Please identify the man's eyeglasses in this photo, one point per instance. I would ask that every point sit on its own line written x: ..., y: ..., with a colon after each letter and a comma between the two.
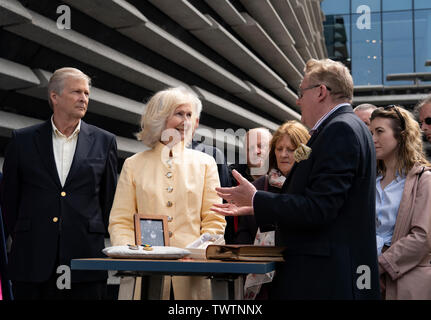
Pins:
x: 402, y: 120
x: 301, y: 91
x: 426, y: 120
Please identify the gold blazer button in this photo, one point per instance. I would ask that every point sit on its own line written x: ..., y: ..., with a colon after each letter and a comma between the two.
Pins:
x: 169, y: 175
x: 63, y: 194
x: 169, y: 204
x: 55, y: 219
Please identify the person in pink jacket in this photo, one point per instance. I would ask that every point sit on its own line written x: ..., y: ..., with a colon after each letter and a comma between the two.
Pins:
x: 403, y: 205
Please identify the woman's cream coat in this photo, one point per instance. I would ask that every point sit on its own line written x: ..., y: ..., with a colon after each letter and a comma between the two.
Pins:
x: 182, y: 188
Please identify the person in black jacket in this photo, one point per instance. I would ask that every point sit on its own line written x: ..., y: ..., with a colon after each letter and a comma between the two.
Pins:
x: 5, y: 287
x: 325, y: 216
x: 256, y: 149
x: 59, y: 180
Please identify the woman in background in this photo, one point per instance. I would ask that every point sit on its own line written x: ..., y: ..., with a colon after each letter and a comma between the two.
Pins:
x: 403, y: 205
x: 169, y: 179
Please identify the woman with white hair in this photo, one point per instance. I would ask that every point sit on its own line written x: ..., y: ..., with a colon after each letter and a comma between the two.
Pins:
x: 169, y: 179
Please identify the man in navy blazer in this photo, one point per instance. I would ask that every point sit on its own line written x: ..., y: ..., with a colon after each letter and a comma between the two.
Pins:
x: 326, y: 215
x: 58, y: 186
x: 5, y: 283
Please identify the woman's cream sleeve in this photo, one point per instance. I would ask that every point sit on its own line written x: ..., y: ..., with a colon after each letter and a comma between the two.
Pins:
x: 121, y: 223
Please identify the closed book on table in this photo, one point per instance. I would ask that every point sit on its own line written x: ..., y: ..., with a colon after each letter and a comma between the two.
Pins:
x: 245, y: 253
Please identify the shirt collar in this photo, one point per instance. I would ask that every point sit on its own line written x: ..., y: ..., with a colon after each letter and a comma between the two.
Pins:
x: 319, y: 122
x: 58, y: 132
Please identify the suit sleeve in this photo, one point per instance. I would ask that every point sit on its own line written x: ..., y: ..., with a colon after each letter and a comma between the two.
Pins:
x: 109, y: 182
x: 407, y: 252
x: 335, y: 156
x: 10, y: 187
x: 211, y: 222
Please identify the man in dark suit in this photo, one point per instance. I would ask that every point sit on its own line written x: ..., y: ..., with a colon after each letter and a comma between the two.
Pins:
x: 59, y: 181
x: 326, y: 215
x: 6, y: 289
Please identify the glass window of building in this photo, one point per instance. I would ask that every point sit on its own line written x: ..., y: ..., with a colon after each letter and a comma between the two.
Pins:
x: 337, y: 37
x: 397, y: 45
x: 396, y: 5
x: 330, y: 7
x: 358, y: 6
x: 382, y: 37
x: 422, y: 40
x: 366, y: 50
x: 422, y: 4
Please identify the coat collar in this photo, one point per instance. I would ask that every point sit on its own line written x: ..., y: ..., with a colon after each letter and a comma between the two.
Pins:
x: 83, y: 147
x: 343, y: 109
x: 43, y: 139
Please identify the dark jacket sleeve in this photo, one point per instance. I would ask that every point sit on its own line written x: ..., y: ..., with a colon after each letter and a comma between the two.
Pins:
x: 10, y: 189
x: 335, y: 157
x: 109, y: 182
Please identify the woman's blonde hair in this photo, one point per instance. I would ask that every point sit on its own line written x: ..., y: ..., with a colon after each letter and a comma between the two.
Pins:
x: 410, y: 146
x: 160, y: 107
x: 297, y: 133
x: 333, y: 75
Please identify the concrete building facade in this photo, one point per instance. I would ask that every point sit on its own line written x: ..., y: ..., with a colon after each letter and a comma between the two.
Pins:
x: 244, y: 59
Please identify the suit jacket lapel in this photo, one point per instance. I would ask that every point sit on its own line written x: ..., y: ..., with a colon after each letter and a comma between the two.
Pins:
x: 43, y: 140
x: 83, y: 147
x: 313, y: 138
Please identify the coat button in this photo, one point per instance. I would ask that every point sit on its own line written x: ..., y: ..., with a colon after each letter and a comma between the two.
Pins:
x: 55, y: 219
x: 170, y: 234
x: 169, y: 175
x: 170, y: 218
x: 169, y: 204
x: 169, y: 189
x: 63, y: 194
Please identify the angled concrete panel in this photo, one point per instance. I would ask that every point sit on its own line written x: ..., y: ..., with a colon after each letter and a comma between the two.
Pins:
x: 305, y: 53
x: 294, y: 56
x: 101, y: 102
x: 16, y: 76
x: 230, y: 112
x: 229, y: 47
x: 227, y: 11
x: 113, y: 13
x: 69, y: 42
x: 383, y: 100
x: 214, y: 138
x: 300, y: 11
x: 288, y: 16
x: 158, y: 40
x: 128, y: 147
x: 264, y: 13
x: 269, y: 104
x: 13, y: 12
x: 183, y: 12
x: 11, y: 121
x: 287, y: 95
x: 253, y: 33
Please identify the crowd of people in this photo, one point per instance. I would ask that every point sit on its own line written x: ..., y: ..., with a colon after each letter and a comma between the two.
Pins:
x: 347, y: 191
